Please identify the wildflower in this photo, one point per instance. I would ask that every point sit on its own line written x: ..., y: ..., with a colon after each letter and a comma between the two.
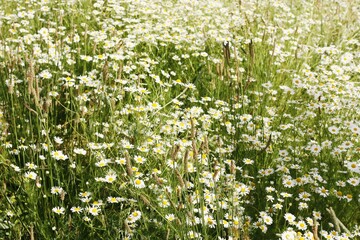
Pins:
x: 121, y: 161
x: 333, y: 130
x: 310, y: 221
x: 31, y: 166
x: 154, y: 106
x: 127, y: 145
x: 270, y: 198
x: 209, y: 220
x: 164, y: 203
x: 102, y: 163
x: 263, y: 228
x: 267, y: 220
x: 225, y: 223
x: 30, y: 175
x: 138, y: 183
x: 353, y: 166
x: 57, y: 190
x: 193, y: 235
x: 172, y: 164
x: 139, y: 159
x: 59, y: 155
x: 289, y: 235
x: 7, y: 145
x: 347, y: 144
x: 245, y: 118
x: 301, y: 225
x: 283, y: 153
x: 93, y: 210
x: 59, y: 210
x: 236, y: 222
x: 309, y: 235
x: 326, y: 144
x: 242, y: 189
x: 353, y: 181
x: 134, y: 216
x: 337, y: 70
x: 317, y: 215
x: 58, y: 140
x: 248, y: 161
x: 355, y: 128
x: 45, y: 74
x: 85, y: 194
x: 322, y: 191
x: 303, y: 205
x: 170, y: 217
x: 277, y: 206
x: 270, y: 189
x: 304, y: 196
x: 315, y: 149
x: 86, y: 58
x: 223, y: 204
x: 113, y: 199
x: 348, y: 197
x: 80, y: 151
x: 346, y: 58
x: 97, y: 203
x: 290, y: 218
x: 76, y: 209
x: 286, y: 195
x: 289, y: 183
x: 110, y: 177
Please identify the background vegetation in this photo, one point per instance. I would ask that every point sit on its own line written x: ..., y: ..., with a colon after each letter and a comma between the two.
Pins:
x: 126, y: 119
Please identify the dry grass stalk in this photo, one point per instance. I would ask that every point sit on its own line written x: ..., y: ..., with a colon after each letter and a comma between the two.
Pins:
x: 128, y: 165
x: 180, y: 179
x: 315, y: 229
x: 145, y: 200
x: 195, y: 151
x: 338, y: 224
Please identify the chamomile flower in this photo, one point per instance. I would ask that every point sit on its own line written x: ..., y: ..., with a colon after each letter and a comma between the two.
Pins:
x: 31, y: 166
x: 59, y: 155
x: 248, y: 161
x: 30, y: 175
x: 113, y: 199
x: 301, y: 225
x: 57, y: 190
x: 59, y: 210
x: 289, y: 235
x: 164, y: 203
x: 170, y: 217
x: 290, y: 218
x: 58, y: 140
x: 209, y: 221
x: 138, y: 183
x: 110, y: 177
x: 333, y: 130
x: 80, y: 151
x: 93, y: 210
x: 139, y: 159
x: 134, y: 216
x: 315, y: 149
x: 193, y: 235
x: 267, y: 220
x: 76, y: 209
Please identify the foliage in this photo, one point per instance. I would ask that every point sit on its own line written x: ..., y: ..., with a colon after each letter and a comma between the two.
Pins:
x: 126, y: 119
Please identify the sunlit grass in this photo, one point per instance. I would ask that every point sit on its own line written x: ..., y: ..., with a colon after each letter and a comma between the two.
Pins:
x: 179, y: 119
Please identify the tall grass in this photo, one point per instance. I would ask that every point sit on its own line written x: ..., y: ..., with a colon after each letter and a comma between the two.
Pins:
x: 179, y: 119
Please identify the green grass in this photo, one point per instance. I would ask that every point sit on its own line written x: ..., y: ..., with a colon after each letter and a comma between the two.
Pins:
x: 179, y: 119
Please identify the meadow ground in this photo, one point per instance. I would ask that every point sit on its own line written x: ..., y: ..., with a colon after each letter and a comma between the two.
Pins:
x: 180, y: 119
